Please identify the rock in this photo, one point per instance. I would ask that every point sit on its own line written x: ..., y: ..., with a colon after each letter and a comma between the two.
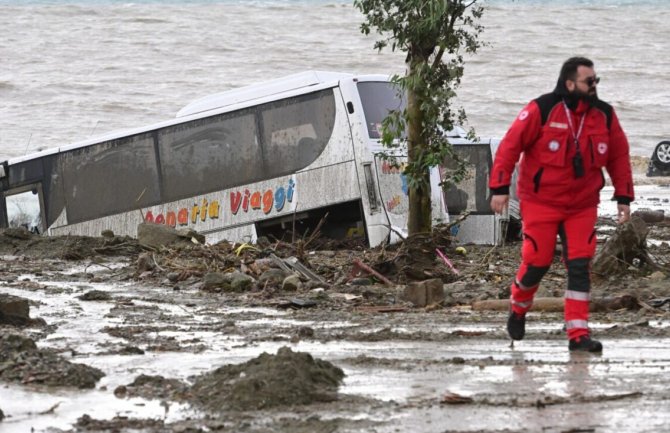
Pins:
x: 155, y: 387
x: 155, y: 236
x: 305, y: 332
x: 360, y: 281
x: 145, y: 263
x: 312, y: 285
x: 11, y: 344
x: 214, y: 281
x: 263, y: 264
x: 192, y: 236
x: 657, y: 276
x: 120, y: 391
x: 296, y: 303
x: 239, y: 282
x: 455, y: 287
x: 231, y: 282
x: 273, y: 277
x: 291, y: 283
x: 131, y: 350
x: 95, y: 295
x: 424, y: 293
x: 14, y: 310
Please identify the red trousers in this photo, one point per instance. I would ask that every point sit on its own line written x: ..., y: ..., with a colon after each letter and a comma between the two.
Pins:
x: 576, y: 229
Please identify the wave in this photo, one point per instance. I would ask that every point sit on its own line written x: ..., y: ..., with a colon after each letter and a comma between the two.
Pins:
x: 6, y: 85
x: 143, y: 20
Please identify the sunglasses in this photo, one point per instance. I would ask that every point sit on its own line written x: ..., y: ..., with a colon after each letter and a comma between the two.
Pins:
x: 591, y: 81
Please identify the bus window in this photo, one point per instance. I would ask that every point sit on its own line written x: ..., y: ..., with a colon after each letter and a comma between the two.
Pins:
x: 209, y: 154
x: 110, y: 177
x: 296, y: 131
x: 378, y: 99
x: 23, y: 210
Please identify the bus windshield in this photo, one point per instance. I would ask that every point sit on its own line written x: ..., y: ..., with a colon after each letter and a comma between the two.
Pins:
x: 379, y: 99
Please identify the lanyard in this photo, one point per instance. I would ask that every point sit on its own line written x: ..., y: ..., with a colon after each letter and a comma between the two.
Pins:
x: 572, y: 128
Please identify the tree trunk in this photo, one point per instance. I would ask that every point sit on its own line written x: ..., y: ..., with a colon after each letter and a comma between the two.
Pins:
x: 419, y: 219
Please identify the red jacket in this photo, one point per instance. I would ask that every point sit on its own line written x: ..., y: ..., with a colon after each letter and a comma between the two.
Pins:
x: 542, y: 136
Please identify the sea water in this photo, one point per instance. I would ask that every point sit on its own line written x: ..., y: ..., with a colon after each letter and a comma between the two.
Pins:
x: 73, y: 69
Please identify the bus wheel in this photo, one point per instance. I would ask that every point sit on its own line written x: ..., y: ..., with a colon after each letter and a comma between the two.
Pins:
x: 661, y: 155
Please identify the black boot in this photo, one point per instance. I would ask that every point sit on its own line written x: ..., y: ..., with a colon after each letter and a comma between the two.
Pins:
x: 585, y: 344
x: 516, y: 325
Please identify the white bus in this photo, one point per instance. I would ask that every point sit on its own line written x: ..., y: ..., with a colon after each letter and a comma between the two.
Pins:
x: 257, y: 161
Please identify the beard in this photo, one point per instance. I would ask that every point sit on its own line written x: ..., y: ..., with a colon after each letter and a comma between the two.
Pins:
x: 577, y: 95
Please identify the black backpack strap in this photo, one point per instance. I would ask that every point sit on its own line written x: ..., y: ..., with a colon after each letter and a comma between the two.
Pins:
x: 605, y: 108
x: 548, y: 101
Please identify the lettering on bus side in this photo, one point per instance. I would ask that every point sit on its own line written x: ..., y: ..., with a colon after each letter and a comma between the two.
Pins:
x: 393, y: 183
x: 245, y: 200
x: 264, y: 201
x: 390, y: 168
x: 393, y: 203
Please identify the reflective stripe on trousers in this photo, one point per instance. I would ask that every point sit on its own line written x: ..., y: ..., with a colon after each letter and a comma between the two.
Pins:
x: 578, y: 296
x: 576, y: 324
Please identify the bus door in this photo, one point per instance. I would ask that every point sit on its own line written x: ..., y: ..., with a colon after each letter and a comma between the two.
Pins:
x: 367, y: 100
x: 393, y: 194
x: 377, y: 98
x: 24, y: 208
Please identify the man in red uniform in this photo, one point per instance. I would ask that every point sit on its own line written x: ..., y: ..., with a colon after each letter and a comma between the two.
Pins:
x: 564, y: 138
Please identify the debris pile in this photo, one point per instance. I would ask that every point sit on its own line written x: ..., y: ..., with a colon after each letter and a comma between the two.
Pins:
x: 285, y: 379
x: 20, y: 241
x: 154, y: 387
x: 21, y: 361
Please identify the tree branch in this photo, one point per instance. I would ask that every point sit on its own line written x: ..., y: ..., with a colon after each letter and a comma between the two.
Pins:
x: 438, y: 58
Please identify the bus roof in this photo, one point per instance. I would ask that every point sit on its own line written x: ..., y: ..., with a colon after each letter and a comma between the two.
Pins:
x: 261, y: 90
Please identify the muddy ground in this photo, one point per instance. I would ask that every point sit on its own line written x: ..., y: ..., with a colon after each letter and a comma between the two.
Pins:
x: 321, y: 297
